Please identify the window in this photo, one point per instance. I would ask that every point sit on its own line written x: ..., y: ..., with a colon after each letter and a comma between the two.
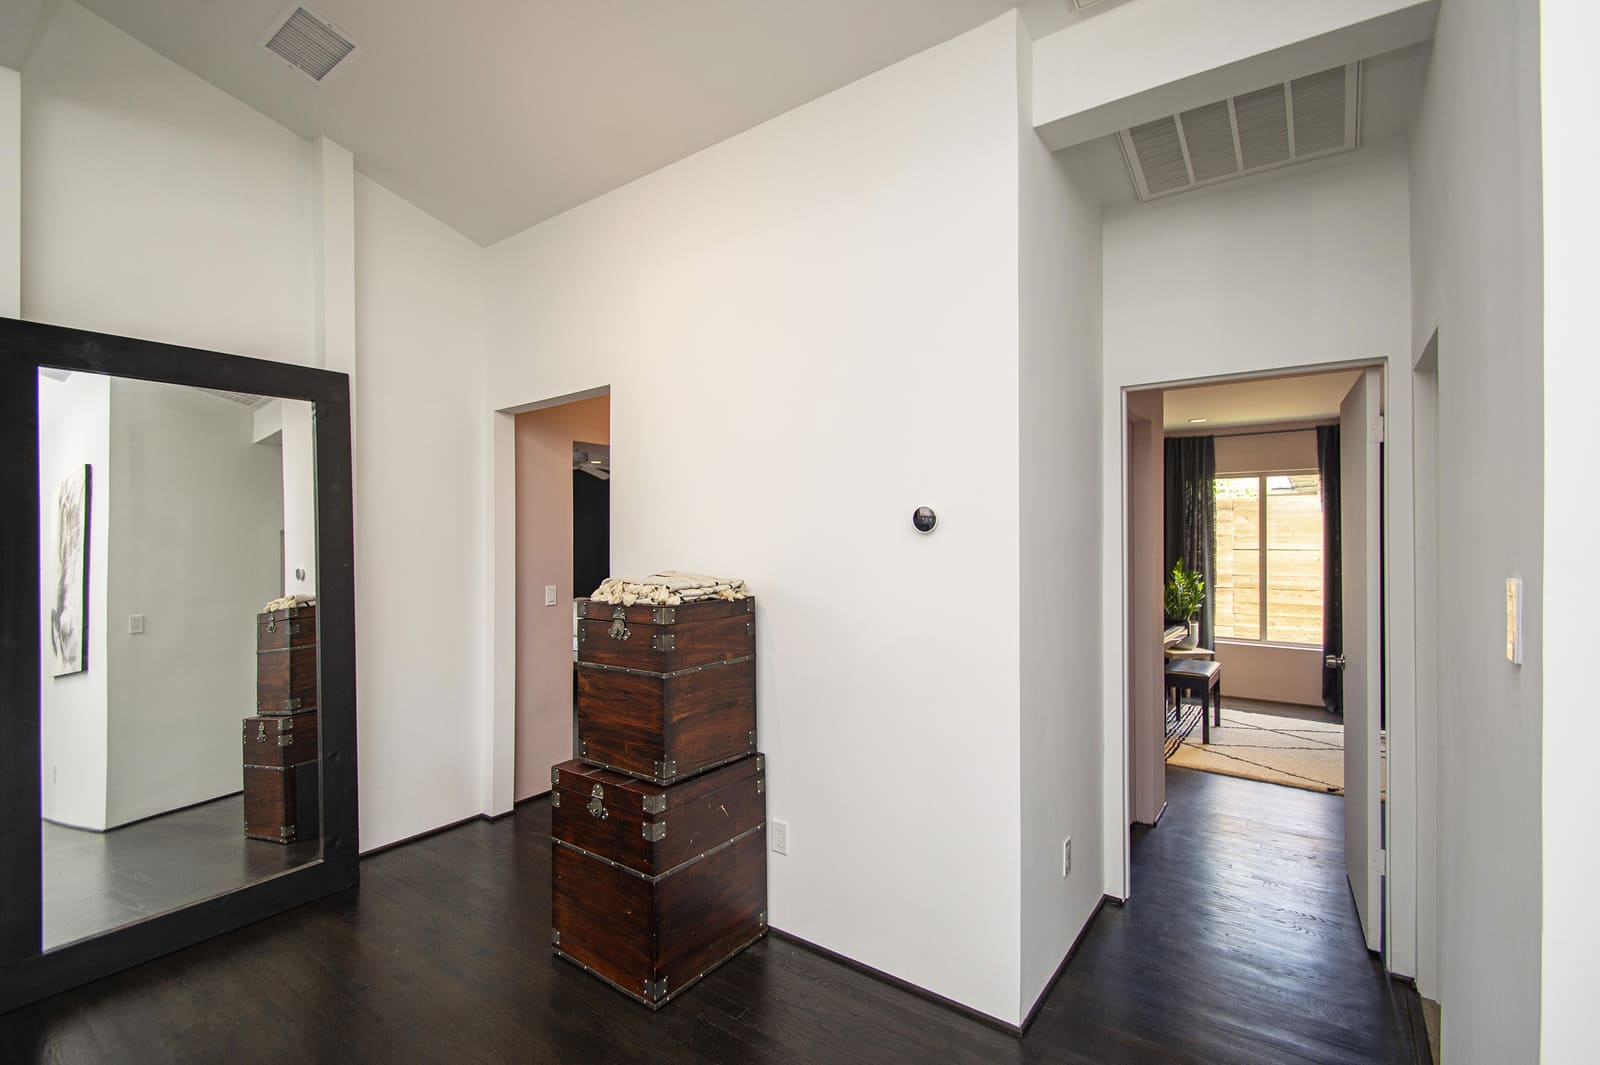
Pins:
x: 1269, y: 537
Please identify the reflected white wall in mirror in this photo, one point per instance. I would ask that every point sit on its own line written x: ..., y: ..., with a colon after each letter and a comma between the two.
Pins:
x: 200, y: 507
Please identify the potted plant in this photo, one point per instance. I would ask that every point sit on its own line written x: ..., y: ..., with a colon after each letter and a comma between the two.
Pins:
x: 1186, y: 593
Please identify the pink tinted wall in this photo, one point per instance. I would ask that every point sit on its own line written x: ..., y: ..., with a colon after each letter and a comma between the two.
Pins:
x: 544, y: 556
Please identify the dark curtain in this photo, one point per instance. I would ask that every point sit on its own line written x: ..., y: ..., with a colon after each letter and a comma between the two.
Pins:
x: 1332, y: 572
x: 1191, y: 516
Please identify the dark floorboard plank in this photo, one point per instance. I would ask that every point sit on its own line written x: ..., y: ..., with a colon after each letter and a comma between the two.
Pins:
x: 1240, y: 946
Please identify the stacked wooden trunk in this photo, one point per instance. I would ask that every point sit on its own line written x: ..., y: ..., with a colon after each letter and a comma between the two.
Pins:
x: 659, y: 826
x: 280, y: 742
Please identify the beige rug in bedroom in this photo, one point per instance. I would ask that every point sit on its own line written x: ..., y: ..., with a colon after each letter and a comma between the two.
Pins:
x: 1300, y: 748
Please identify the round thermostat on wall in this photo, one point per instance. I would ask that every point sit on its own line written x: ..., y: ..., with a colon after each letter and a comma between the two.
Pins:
x: 923, y: 519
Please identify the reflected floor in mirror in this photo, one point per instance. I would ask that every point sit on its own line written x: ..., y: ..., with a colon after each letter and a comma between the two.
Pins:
x: 96, y: 881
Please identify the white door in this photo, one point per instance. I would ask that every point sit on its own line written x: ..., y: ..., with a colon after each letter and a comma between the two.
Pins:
x: 1361, y: 533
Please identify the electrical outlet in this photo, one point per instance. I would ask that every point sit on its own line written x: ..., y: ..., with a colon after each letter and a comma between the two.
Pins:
x: 1066, y: 856
x: 549, y: 595
x: 780, y: 837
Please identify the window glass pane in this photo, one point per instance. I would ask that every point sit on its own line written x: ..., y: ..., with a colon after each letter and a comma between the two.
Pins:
x: 1294, y: 559
x: 1236, y: 595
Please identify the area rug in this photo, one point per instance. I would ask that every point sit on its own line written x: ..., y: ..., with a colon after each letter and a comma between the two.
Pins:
x: 1299, y: 748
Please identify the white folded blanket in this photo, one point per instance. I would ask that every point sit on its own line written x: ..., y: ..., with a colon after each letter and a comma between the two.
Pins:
x: 669, y: 588
x: 289, y: 602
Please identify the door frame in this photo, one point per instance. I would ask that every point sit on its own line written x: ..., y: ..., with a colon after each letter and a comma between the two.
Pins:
x: 500, y: 604
x: 1400, y: 812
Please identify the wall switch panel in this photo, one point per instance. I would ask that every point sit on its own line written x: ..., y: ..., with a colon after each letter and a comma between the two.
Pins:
x: 135, y: 624
x: 1066, y: 856
x: 549, y: 595
x: 1514, y: 621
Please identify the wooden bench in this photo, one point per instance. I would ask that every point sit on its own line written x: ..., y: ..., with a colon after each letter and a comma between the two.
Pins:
x: 1203, y: 679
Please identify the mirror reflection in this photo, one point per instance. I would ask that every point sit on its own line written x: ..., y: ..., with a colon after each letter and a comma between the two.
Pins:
x: 177, y: 592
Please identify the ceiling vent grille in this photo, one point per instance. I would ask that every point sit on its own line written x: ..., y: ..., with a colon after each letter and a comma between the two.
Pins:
x: 309, y: 43
x: 1280, y: 124
x: 244, y: 398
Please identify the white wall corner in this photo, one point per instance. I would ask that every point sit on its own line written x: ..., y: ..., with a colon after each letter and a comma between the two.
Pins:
x: 335, y: 255
x: 1570, y: 931
x: 10, y: 193
x: 500, y: 608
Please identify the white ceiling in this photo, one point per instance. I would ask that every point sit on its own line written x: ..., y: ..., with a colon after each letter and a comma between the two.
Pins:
x: 1267, y: 401
x: 1391, y: 85
x: 495, y: 114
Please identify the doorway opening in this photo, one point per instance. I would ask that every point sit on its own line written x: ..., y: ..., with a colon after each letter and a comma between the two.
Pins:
x: 1255, y: 614
x: 563, y: 551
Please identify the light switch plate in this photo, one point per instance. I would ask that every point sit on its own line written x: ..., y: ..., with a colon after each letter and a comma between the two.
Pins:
x: 135, y: 624
x: 549, y: 595
x: 1514, y: 621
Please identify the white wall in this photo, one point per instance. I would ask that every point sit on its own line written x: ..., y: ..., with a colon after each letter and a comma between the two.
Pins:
x: 196, y: 511
x: 421, y: 445
x: 74, y: 430
x: 810, y: 330
x: 297, y: 456
x: 157, y: 206
x: 10, y: 193
x: 1304, y: 267
x: 1058, y: 458
x: 1476, y: 222
x: 1571, y: 938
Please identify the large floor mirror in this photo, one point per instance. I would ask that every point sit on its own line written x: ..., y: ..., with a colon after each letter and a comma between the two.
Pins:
x: 177, y: 737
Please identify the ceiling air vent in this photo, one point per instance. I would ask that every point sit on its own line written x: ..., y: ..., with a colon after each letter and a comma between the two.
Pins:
x: 308, y: 42
x: 244, y: 398
x: 1273, y: 126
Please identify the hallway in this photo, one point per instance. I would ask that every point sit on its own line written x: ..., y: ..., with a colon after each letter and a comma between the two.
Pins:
x: 1240, y: 945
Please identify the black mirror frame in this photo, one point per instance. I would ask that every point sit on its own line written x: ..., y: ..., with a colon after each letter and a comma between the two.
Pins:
x: 27, y: 972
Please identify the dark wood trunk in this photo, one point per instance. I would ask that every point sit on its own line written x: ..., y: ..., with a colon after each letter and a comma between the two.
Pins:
x: 286, y: 660
x: 666, y: 639
x: 665, y: 727
x: 653, y: 916
x: 282, y: 805
x: 280, y: 629
x: 280, y: 740
x: 650, y: 828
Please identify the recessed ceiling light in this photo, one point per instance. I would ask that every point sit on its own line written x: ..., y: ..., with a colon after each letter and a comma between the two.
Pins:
x: 1197, y: 421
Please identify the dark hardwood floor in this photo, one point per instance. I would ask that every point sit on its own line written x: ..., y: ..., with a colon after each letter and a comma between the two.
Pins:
x: 1239, y: 945
x: 95, y: 881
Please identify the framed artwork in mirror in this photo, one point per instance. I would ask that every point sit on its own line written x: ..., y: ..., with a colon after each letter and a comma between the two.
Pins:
x: 69, y: 581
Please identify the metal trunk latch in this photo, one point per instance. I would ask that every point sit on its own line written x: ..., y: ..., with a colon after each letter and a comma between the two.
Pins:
x: 272, y: 623
x: 597, y: 803
x: 619, y: 630
x: 261, y: 731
